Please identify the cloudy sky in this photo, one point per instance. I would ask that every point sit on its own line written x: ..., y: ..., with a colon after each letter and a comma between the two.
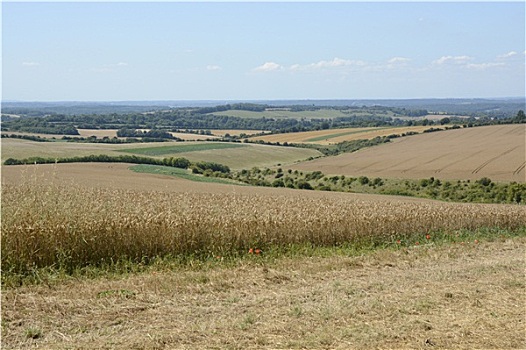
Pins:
x: 103, y: 51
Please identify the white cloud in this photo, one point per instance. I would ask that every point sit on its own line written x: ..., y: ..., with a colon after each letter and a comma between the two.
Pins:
x: 121, y: 64
x: 507, y: 55
x: 398, y: 60
x: 483, y: 66
x: 335, y: 63
x: 213, y: 67
x: 30, y: 64
x: 268, y: 67
x: 452, y: 60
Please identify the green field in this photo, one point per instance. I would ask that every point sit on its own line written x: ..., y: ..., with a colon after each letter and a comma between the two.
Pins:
x: 181, y: 173
x: 181, y: 148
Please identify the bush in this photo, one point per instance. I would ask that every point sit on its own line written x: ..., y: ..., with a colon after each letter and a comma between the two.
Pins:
x: 364, y: 180
x: 304, y: 185
x: 484, y: 181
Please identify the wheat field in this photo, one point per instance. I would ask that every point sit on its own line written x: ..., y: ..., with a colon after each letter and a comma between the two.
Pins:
x: 70, y: 225
x: 497, y: 152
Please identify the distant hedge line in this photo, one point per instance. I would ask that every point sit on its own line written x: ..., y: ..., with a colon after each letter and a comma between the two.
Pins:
x: 179, y: 162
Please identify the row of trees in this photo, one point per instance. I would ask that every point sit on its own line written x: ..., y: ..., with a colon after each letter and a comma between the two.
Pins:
x: 197, y: 119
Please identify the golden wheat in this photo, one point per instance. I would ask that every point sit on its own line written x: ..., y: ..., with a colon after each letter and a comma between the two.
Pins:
x: 69, y: 226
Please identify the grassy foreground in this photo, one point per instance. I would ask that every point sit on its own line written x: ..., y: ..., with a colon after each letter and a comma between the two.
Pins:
x: 441, y: 296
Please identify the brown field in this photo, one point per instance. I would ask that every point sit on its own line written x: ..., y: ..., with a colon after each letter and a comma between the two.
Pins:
x: 332, y: 136
x: 497, y: 152
x: 111, y: 133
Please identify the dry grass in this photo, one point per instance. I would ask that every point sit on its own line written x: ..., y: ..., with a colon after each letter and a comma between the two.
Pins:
x: 443, y: 297
x: 497, y: 152
x: 452, y: 296
x: 70, y: 226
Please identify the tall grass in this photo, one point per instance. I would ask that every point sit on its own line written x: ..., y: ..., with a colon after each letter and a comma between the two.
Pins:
x: 67, y: 226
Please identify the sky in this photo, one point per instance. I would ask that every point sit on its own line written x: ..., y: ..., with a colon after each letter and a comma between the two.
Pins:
x: 124, y: 51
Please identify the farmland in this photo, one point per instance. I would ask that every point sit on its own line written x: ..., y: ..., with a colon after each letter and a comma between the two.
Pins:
x: 339, y: 135
x: 246, y: 156
x: 68, y: 219
x: 116, y: 255
x: 496, y: 152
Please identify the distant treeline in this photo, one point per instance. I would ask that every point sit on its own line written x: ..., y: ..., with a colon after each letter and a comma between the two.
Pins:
x: 89, y: 139
x: 203, y: 118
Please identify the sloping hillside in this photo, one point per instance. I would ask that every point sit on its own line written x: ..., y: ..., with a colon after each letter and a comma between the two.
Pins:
x: 497, y: 152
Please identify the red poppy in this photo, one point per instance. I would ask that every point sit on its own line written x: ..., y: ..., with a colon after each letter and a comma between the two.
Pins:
x: 250, y: 251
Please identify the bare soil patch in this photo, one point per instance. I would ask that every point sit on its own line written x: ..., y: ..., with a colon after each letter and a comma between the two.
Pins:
x: 497, y: 152
x: 452, y: 296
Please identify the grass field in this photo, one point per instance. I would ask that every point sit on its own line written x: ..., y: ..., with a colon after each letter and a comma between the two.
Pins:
x: 181, y: 148
x: 185, y: 136
x: 242, y: 156
x: 497, y: 152
x: 332, y: 136
x: 455, y: 296
x: 179, y: 173
x: 466, y: 293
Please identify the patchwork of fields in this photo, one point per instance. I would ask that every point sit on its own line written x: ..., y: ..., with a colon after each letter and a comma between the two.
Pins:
x: 84, y: 218
x: 497, y: 152
x: 234, y: 155
x: 332, y: 136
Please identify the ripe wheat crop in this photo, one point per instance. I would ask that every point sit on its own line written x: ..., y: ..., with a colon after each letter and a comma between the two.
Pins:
x: 68, y: 226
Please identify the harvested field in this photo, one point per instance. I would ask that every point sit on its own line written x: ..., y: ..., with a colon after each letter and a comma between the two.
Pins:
x: 497, y: 152
x: 331, y: 136
x: 100, y: 133
x: 442, y: 297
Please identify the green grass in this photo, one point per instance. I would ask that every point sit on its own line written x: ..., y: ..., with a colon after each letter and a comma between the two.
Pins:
x: 194, y: 147
x: 181, y: 173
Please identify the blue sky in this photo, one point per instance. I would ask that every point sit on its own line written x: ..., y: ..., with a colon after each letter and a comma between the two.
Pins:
x: 103, y: 51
